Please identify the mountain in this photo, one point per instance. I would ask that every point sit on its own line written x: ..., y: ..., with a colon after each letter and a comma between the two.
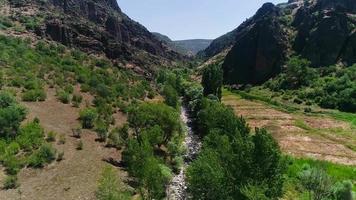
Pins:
x: 186, y: 47
x: 193, y: 46
x: 322, y: 31
x: 93, y: 26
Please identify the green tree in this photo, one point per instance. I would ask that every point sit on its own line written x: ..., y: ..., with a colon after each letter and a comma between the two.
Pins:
x: 147, y: 115
x: 212, y: 80
x: 170, y: 96
x: 268, y: 166
x: 110, y: 187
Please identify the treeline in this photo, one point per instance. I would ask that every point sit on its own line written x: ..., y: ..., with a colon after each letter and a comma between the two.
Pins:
x: 329, y: 87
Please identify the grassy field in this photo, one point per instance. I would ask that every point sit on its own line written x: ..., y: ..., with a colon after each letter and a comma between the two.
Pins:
x: 317, y: 134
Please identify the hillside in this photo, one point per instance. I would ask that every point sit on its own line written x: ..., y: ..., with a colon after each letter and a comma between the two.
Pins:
x: 100, y: 27
x: 185, y: 47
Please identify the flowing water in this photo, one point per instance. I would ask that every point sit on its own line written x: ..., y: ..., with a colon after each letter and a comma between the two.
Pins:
x: 176, y: 189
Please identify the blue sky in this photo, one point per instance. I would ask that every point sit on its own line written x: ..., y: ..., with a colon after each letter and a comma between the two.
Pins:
x: 191, y: 19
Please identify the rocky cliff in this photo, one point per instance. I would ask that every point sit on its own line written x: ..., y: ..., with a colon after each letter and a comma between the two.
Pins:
x: 95, y: 26
x: 322, y: 31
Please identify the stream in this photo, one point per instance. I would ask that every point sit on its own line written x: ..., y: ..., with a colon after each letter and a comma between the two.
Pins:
x: 176, y: 190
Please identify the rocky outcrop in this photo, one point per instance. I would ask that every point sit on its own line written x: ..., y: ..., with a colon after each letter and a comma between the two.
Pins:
x: 99, y: 26
x: 258, y: 51
x: 322, y: 31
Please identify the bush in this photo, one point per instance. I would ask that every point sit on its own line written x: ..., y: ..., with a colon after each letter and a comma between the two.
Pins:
x: 62, y: 139
x: 30, y: 136
x: 60, y: 156
x: 77, y: 100
x: 44, y: 155
x: 63, y: 97
x: 80, y: 145
x: 77, y: 132
x: 88, y: 117
x: 11, y: 182
x: 342, y: 191
x: 34, y: 95
x: 11, y: 115
x: 51, y: 136
x: 118, y: 137
x: 101, y: 130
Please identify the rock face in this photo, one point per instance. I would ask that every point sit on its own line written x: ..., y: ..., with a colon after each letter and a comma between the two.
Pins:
x: 322, y: 31
x: 259, y: 49
x: 325, y: 32
x: 99, y: 26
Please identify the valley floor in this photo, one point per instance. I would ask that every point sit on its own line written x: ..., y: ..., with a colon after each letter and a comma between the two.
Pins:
x: 299, y: 134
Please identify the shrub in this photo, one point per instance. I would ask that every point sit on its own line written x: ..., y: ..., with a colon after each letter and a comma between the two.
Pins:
x: 63, y: 96
x: 80, y: 145
x: 44, y: 155
x: 12, y: 164
x: 101, y: 129
x: 77, y: 132
x: 34, y: 95
x: 62, y: 139
x: 11, y: 115
x: 11, y: 182
x: 342, y: 191
x: 118, y: 136
x: 51, y: 136
x: 30, y: 136
x: 77, y: 100
x: 60, y: 156
x: 88, y: 117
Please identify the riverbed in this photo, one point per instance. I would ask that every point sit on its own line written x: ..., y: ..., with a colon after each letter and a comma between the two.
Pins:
x: 177, y: 188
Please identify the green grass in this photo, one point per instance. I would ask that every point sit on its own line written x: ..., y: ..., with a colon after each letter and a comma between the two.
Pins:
x: 266, y: 99
x: 347, y: 117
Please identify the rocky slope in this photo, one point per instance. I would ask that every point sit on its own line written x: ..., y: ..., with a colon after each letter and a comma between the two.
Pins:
x: 94, y: 26
x: 322, y: 31
x: 185, y: 47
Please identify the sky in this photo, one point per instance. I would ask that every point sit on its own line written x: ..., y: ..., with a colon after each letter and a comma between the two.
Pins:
x: 191, y: 19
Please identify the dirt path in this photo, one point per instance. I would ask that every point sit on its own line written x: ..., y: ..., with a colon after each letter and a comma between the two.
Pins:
x: 75, y: 177
x: 300, y: 135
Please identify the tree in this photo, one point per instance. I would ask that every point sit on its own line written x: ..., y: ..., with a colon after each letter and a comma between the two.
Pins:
x: 212, y: 80
x: 170, y: 95
x: 147, y: 115
x: 110, y: 186
x: 206, y: 177
x: 268, y: 165
x: 298, y: 73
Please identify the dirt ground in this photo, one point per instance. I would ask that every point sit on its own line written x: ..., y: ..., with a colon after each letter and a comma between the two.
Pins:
x: 298, y: 134
x: 74, y: 178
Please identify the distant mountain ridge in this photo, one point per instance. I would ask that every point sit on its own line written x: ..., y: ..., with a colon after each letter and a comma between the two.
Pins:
x: 186, y: 47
